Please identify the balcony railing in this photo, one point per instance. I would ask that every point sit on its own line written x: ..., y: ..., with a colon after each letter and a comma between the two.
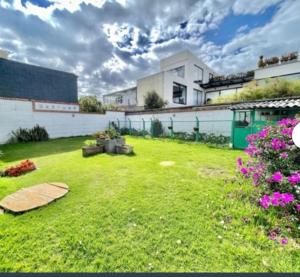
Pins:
x: 231, y: 79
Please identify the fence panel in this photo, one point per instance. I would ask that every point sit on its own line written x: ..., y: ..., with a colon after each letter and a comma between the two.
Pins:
x: 210, y: 131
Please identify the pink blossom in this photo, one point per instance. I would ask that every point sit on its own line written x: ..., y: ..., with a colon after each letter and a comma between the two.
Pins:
x: 288, y: 122
x: 287, y: 132
x: 298, y: 207
x: 264, y: 133
x: 284, y: 155
x: 284, y: 241
x: 277, y: 177
x: 265, y: 201
x: 294, y: 178
x: 239, y: 162
x: 278, y: 144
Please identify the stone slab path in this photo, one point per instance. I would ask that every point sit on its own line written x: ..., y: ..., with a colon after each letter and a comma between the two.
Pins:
x: 27, y: 199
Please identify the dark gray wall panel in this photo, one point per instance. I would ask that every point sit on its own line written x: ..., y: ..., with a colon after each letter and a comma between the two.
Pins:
x: 19, y: 80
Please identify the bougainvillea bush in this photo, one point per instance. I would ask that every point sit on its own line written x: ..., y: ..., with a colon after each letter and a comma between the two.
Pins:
x: 19, y: 169
x: 274, y: 168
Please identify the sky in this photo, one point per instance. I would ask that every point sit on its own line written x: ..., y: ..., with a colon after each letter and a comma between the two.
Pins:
x: 109, y: 44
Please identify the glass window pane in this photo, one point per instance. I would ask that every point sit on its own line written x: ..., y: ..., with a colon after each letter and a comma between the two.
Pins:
x: 179, y: 94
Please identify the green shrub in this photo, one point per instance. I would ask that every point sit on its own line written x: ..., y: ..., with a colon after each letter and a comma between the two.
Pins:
x: 274, y: 88
x: 157, y: 128
x: 90, y: 104
x: 184, y: 136
x: 153, y: 101
x: 37, y: 133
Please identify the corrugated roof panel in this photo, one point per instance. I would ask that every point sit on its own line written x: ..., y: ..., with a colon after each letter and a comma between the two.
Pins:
x: 272, y: 103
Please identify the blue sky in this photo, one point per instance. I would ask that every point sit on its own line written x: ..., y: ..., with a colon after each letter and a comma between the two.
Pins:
x: 109, y: 44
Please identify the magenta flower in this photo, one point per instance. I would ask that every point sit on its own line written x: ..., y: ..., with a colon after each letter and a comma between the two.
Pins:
x: 263, y: 134
x: 287, y: 198
x: 277, y: 177
x: 288, y: 122
x: 284, y: 241
x: 244, y: 170
x: 284, y: 155
x: 239, y: 162
x: 298, y: 207
x: 287, y: 132
x: 294, y: 179
x: 272, y: 236
x: 265, y: 201
x: 278, y: 144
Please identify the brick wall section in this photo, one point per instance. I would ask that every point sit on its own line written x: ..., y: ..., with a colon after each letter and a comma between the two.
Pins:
x: 19, y: 80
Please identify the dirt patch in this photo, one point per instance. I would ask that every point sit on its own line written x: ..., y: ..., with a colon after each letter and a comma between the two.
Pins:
x: 167, y: 163
x: 207, y: 171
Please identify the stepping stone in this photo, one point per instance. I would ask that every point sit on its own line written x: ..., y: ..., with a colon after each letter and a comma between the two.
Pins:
x: 27, y: 199
x: 167, y: 163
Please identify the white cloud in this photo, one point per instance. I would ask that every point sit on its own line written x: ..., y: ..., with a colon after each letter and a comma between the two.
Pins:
x: 110, y: 44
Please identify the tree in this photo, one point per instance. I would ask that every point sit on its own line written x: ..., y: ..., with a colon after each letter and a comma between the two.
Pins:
x: 153, y: 101
x: 90, y: 104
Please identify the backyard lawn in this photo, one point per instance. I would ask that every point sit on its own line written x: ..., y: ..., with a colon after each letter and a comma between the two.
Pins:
x: 132, y: 213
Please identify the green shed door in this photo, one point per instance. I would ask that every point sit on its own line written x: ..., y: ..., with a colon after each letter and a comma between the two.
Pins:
x: 241, y: 129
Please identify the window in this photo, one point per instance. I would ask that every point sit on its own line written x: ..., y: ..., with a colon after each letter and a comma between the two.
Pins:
x: 198, y: 94
x: 198, y: 73
x: 179, y: 94
x: 243, y: 119
x: 210, y: 76
x: 179, y: 71
x: 119, y: 99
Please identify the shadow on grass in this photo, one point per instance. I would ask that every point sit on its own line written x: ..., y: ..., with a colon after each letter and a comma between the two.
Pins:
x: 23, y: 151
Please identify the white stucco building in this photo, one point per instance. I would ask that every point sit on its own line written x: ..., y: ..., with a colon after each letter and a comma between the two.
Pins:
x: 123, y: 98
x: 178, y: 81
x: 184, y: 80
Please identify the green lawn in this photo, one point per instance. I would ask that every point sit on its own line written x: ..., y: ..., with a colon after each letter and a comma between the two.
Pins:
x: 129, y: 213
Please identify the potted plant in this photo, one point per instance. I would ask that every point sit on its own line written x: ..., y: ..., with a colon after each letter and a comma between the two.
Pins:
x: 101, y: 137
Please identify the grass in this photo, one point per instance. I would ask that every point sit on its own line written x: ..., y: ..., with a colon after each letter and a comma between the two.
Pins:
x: 130, y: 213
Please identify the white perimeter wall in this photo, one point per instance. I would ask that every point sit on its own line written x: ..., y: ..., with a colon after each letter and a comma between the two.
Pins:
x: 18, y: 113
x: 216, y: 122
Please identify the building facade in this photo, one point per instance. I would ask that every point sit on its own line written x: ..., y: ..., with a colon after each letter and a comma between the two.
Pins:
x: 25, y: 81
x: 178, y: 81
x: 223, y: 86
x: 124, y: 98
x: 184, y: 80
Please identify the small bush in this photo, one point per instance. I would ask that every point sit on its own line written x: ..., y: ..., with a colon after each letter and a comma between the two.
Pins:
x: 274, y: 169
x: 21, y: 168
x: 37, y: 133
x: 153, y: 101
x: 157, y: 128
x: 90, y: 104
x: 110, y: 133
